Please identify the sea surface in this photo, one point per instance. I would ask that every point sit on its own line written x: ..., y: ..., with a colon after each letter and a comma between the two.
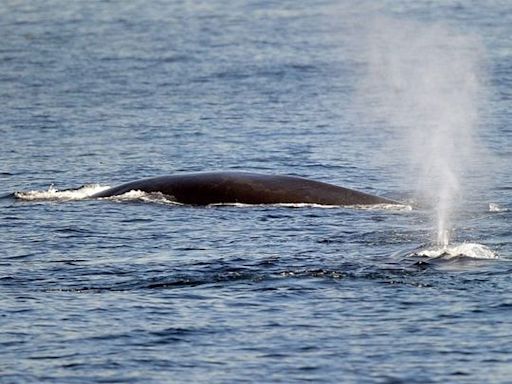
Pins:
x: 141, y: 290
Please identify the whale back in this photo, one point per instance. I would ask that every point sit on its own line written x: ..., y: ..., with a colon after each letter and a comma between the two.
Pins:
x: 247, y: 188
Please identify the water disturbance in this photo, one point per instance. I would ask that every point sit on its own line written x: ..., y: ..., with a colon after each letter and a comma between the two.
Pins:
x: 426, y: 80
x: 405, y: 100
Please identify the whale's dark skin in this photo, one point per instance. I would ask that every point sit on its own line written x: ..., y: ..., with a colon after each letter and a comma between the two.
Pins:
x: 246, y: 188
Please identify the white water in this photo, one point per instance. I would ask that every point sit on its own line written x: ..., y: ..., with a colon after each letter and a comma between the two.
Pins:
x: 493, y: 207
x: 53, y: 194
x: 471, y: 250
x: 87, y: 191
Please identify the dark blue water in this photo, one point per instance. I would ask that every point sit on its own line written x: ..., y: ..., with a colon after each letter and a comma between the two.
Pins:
x: 136, y: 291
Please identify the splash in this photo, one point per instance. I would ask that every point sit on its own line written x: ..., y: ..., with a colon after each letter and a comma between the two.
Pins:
x: 468, y: 250
x: 424, y: 85
x: 53, y: 194
x: 147, y: 197
x: 89, y: 190
x: 493, y: 207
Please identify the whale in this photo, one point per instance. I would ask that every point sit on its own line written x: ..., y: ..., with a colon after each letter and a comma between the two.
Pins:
x: 207, y: 188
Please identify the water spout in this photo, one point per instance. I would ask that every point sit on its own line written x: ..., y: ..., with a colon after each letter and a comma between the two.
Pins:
x: 423, y: 83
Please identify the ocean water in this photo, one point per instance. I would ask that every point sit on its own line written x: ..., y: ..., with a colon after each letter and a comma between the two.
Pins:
x: 141, y: 290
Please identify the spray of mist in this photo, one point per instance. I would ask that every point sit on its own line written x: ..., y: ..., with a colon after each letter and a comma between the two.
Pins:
x: 423, y: 83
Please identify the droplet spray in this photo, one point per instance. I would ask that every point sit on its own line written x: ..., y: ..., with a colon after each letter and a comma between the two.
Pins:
x: 423, y: 83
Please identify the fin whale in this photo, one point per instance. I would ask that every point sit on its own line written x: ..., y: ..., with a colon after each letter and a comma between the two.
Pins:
x: 247, y: 188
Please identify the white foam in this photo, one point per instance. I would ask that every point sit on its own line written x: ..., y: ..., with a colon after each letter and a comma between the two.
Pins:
x: 393, y: 207
x: 386, y: 207
x: 137, y: 195
x: 284, y: 205
x: 472, y: 250
x: 53, y: 194
x: 496, y: 208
